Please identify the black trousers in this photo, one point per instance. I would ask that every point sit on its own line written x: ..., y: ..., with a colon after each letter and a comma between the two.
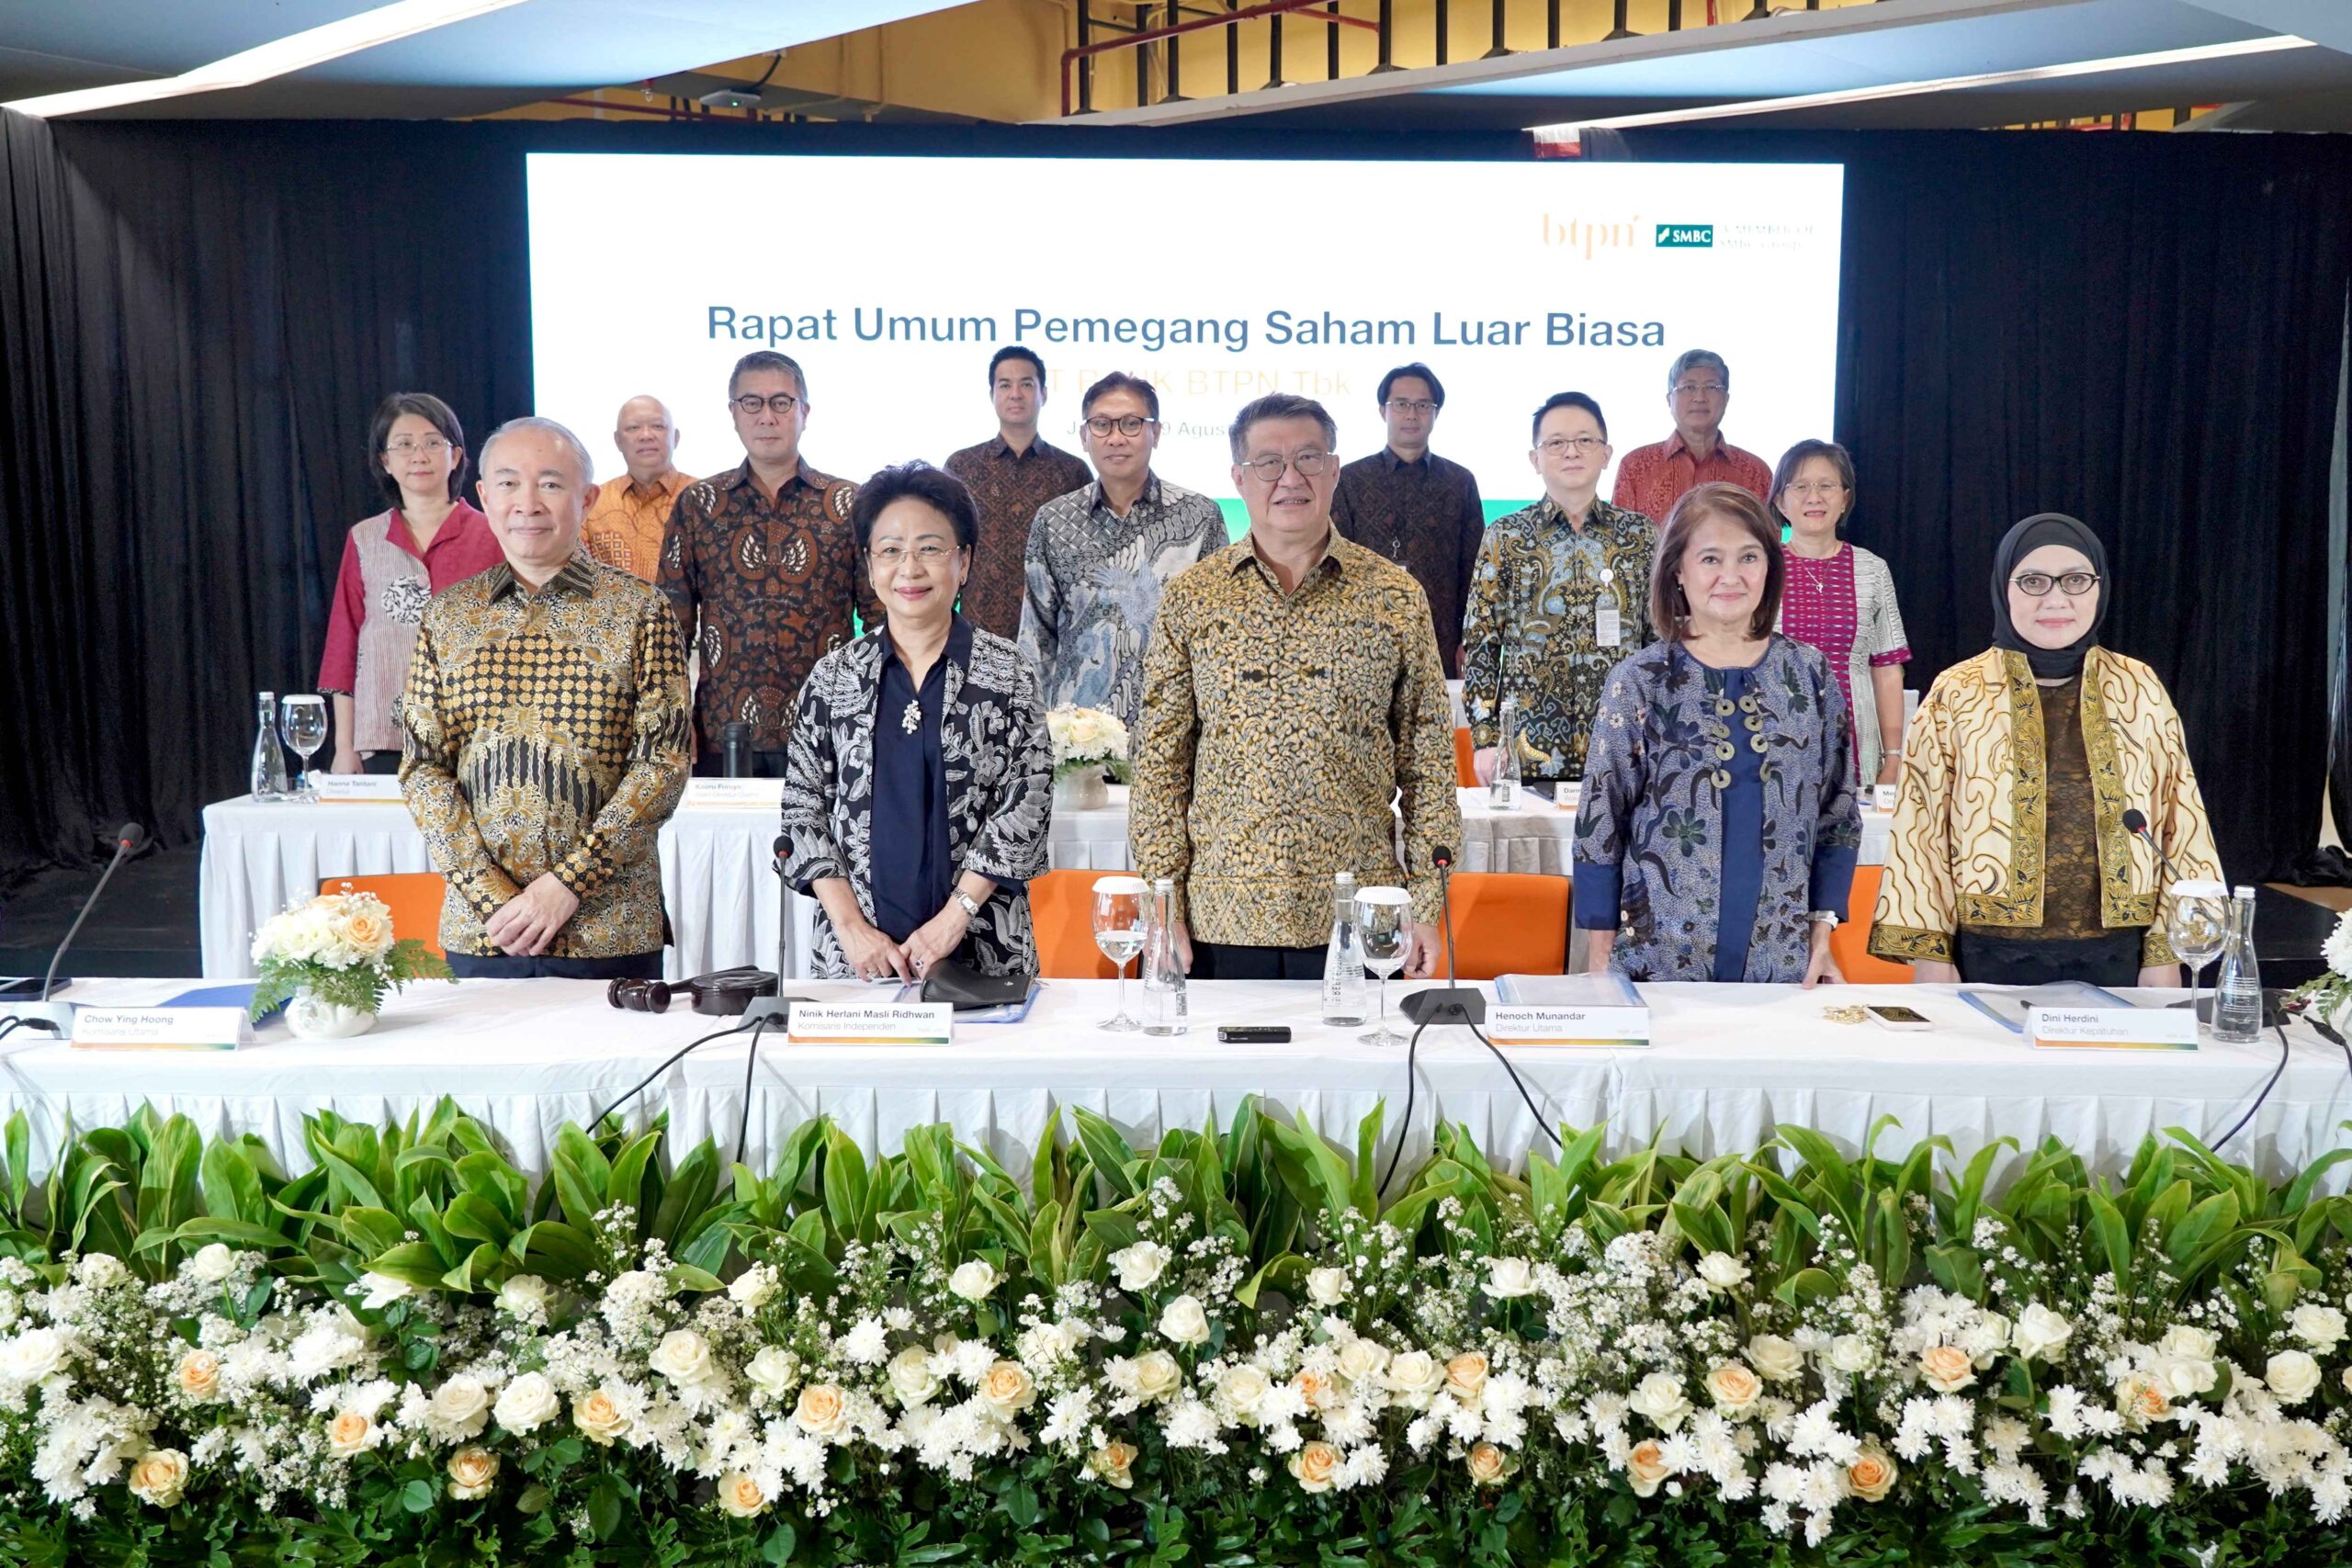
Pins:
x: 765, y: 765
x: 2111, y: 960
x: 1224, y: 961
x: 514, y: 966
x: 379, y: 762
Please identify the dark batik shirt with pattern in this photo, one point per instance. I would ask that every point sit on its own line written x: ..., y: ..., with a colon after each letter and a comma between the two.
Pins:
x: 1425, y: 516
x: 763, y: 591
x: 1533, y: 627
x: 545, y: 731
x: 1009, y: 487
x: 996, y: 773
x: 1278, y: 729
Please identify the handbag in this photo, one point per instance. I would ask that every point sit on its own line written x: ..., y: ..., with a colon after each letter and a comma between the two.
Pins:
x: 967, y: 990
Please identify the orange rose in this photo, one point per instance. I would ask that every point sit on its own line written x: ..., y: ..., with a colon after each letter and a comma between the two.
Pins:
x: 1947, y: 1369
x: 199, y: 1375
x: 350, y: 1433
x: 1110, y: 1464
x: 1465, y: 1377
x: 1646, y: 1466
x: 365, y: 929
x: 1315, y: 1467
x: 1316, y: 1389
x: 1872, y: 1475
x: 472, y: 1469
x: 598, y: 1418
x: 739, y: 1495
x: 1487, y: 1464
x: 821, y: 1411
x: 1734, y: 1388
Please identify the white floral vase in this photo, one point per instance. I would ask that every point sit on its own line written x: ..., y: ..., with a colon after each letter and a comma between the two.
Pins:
x: 1083, y: 790
x: 312, y: 1019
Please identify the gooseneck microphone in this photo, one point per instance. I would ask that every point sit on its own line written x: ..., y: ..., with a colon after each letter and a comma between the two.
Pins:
x: 1453, y: 1002
x: 2135, y: 822
x: 58, y: 1017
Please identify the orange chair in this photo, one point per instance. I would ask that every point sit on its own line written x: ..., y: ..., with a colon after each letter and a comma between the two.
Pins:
x: 1061, y: 906
x: 1511, y: 923
x: 1466, y: 767
x: 1851, y: 943
x: 414, y: 897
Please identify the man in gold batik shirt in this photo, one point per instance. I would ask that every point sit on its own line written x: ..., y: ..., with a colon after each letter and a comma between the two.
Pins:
x: 1291, y: 690
x: 545, y: 743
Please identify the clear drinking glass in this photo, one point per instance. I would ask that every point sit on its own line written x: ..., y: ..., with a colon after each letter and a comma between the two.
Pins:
x: 303, y: 721
x: 1119, y: 932
x: 1384, y: 931
x: 2199, y: 926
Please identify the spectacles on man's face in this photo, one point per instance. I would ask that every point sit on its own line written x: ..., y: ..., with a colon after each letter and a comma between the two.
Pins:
x: 1561, y: 446
x: 401, y: 446
x: 1411, y: 405
x: 889, y: 556
x: 1700, y: 389
x: 1127, y: 424
x: 2038, y: 584
x: 1811, y: 488
x: 1310, y: 465
x: 779, y: 405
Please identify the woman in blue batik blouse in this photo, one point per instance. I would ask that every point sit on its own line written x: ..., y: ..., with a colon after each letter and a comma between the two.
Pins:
x: 919, y: 780
x: 1718, y: 827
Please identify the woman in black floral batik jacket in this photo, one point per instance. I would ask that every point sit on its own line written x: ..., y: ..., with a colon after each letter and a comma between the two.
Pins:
x: 919, y: 777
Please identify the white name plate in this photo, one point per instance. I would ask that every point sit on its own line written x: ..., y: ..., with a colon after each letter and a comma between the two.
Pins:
x: 1603, y: 1026
x: 161, y: 1029
x: 871, y: 1023
x: 742, y: 795
x: 2112, y: 1029
x: 1883, y: 796
x: 373, y: 788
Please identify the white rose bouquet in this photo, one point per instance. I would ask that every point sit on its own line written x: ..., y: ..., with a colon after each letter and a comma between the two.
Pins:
x: 2330, y: 994
x: 1087, y: 737
x: 340, y: 947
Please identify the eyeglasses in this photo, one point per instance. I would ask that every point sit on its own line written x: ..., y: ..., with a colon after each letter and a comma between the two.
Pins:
x: 2074, y: 584
x: 1269, y: 468
x: 781, y: 404
x: 891, y: 554
x: 1560, y: 445
x: 1129, y: 424
x: 1698, y: 389
x: 1411, y: 405
x: 1823, y: 488
x: 408, y: 443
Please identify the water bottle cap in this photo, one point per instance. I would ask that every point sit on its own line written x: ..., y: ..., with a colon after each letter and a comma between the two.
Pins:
x: 2241, y: 891
x: 2200, y: 887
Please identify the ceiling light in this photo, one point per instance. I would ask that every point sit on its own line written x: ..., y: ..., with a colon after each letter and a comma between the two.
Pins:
x: 296, y: 52
x: 1567, y: 132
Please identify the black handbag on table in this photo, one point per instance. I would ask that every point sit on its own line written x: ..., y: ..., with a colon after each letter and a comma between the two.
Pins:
x: 969, y: 990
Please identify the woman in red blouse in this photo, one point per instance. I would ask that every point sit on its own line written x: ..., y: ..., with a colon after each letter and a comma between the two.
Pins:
x: 392, y: 564
x: 1840, y: 599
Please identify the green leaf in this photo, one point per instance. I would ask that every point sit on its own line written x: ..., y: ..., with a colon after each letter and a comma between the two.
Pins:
x: 779, y: 1544
x: 2114, y: 1235
x: 1106, y: 1151
x: 417, y: 1496
x: 2217, y: 1216
x: 605, y: 1509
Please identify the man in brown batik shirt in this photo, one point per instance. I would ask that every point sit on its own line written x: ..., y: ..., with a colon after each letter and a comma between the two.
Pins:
x: 1415, y: 507
x: 762, y: 569
x: 1011, y: 477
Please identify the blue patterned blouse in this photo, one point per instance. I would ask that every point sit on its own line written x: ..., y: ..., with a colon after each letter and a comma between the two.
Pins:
x: 1651, y: 834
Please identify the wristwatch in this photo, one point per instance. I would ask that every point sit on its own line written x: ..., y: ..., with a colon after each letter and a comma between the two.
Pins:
x: 970, y: 906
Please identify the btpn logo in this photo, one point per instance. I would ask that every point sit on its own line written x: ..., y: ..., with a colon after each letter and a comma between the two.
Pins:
x: 1686, y: 237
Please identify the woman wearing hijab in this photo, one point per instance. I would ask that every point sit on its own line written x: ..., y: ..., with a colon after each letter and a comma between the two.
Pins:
x: 2009, y: 863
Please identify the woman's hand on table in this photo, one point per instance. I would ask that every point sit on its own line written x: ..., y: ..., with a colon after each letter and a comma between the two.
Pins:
x: 937, y: 937
x: 870, y: 953
x: 1821, y: 964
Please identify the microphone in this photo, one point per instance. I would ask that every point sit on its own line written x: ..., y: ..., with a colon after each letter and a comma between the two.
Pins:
x: 58, y: 1017
x: 2135, y: 822
x: 1450, y: 1003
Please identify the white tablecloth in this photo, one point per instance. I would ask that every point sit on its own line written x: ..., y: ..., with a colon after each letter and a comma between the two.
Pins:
x: 1731, y: 1062
x: 716, y: 875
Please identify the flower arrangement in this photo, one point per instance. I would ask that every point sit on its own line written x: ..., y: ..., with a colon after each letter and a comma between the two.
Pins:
x: 2330, y: 995
x: 1222, y: 1349
x: 1087, y: 738
x: 339, y: 949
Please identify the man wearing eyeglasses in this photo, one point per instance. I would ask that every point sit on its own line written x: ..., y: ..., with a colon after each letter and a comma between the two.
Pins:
x: 1653, y: 478
x: 1562, y: 593
x: 1293, y: 693
x: 1098, y: 557
x: 1009, y: 478
x: 1415, y: 507
x: 762, y: 569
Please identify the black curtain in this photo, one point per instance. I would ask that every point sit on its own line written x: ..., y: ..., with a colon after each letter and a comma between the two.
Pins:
x: 198, y: 321
x: 2144, y: 330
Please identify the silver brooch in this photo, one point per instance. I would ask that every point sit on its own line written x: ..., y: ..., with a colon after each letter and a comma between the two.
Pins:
x: 912, y: 720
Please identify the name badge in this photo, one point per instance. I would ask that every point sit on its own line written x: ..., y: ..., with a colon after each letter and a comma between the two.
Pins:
x: 871, y: 1023
x: 735, y: 794
x: 161, y: 1029
x: 1883, y: 796
x: 1606, y: 1027
x: 2112, y: 1029
x: 372, y: 788
x: 1608, y: 626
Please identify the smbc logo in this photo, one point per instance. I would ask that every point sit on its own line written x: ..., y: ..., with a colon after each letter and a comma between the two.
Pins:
x: 1686, y: 236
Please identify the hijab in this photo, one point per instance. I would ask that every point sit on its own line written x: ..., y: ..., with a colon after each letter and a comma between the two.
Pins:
x: 2046, y: 528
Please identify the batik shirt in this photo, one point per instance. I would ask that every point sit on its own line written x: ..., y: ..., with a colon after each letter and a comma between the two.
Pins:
x: 1094, y: 579
x: 1008, y: 487
x: 997, y: 767
x: 1534, y: 626
x: 545, y: 731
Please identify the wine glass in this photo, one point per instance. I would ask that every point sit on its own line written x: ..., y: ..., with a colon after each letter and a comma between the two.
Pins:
x: 1385, y: 928
x: 1118, y: 931
x: 303, y: 721
x: 2199, y: 925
